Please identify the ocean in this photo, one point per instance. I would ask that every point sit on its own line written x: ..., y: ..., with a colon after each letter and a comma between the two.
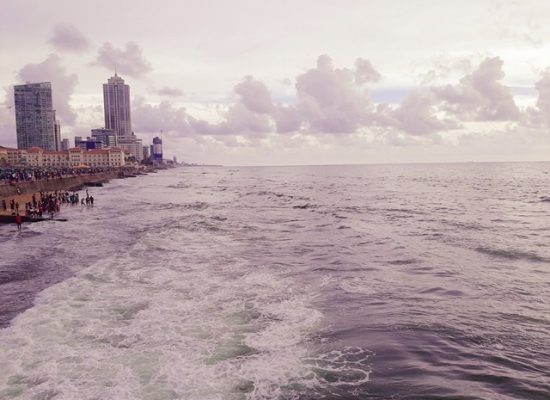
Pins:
x: 425, y: 281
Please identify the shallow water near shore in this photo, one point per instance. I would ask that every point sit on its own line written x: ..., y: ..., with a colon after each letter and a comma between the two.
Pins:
x: 348, y: 282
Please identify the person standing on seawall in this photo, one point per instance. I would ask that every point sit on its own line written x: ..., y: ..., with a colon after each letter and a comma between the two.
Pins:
x: 18, y: 221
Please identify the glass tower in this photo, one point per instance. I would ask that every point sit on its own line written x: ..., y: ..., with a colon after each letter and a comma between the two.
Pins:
x: 34, y: 116
x: 116, y: 104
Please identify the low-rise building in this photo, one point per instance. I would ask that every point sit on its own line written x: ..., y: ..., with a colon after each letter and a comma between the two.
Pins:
x: 3, y: 155
x: 131, y: 146
x: 11, y: 156
x: 106, y: 136
x: 109, y: 157
x: 76, y: 157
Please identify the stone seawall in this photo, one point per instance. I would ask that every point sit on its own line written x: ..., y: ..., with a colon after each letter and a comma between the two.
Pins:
x: 55, y: 184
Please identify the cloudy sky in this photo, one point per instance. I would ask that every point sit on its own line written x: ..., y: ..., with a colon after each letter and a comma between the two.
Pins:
x: 295, y: 82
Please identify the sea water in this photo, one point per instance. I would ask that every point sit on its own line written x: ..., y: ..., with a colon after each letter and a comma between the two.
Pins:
x: 348, y: 282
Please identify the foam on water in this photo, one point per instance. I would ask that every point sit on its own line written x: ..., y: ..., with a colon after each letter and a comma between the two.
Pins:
x: 150, y: 323
x: 272, y: 283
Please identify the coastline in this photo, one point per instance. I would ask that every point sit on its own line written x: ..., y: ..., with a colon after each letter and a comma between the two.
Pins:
x: 22, y: 282
x: 69, y: 183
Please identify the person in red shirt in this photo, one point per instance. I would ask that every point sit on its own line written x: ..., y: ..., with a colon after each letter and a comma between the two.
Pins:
x: 18, y: 221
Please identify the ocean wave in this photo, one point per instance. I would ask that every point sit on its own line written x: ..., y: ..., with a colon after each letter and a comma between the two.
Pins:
x: 512, y: 254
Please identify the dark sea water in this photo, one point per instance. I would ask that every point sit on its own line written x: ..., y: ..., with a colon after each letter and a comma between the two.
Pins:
x: 332, y: 282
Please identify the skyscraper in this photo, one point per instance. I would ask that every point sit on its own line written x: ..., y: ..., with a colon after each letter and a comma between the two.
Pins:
x: 57, y: 133
x: 116, y: 104
x: 34, y: 116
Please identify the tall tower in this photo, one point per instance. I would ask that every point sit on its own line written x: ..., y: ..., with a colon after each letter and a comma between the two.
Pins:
x: 57, y: 132
x: 116, y: 104
x: 34, y: 116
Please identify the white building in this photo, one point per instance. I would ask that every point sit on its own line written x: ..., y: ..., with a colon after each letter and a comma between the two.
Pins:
x: 76, y: 157
x: 132, y: 146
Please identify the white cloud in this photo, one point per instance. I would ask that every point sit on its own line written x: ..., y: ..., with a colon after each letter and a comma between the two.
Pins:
x: 66, y: 37
x: 63, y: 85
x: 129, y: 61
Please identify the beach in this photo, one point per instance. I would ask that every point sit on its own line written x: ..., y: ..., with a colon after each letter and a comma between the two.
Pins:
x: 22, y: 191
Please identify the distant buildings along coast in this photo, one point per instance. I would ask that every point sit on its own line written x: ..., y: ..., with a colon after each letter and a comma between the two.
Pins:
x: 39, y: 140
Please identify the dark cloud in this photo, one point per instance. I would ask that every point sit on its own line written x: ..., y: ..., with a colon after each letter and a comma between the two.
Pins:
x: 129, y: 61
x: 63, y: 85
x: 66, y: 37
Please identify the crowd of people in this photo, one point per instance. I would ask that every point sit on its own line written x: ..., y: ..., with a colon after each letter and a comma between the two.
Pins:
x: 43, y: 203
x: 13, y: 175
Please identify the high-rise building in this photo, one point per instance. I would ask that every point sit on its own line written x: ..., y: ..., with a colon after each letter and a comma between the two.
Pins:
x: 57, y: 133
x: 156, y: 153
x: 116, y: 105
x: 65, y: 144
x: 34, y: 116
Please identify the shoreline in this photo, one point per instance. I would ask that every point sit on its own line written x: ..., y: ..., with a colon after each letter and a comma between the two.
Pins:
x: 8, y: 192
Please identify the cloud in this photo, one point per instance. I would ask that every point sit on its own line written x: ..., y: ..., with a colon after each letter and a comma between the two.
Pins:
x: 165, y: 116
x: 68, y: 38
x: 7, y: 120
x: 255, y: 96
x: 417, y: 114
x: 480, y: 96
x: 287, y: 119
x: 445, y: 66
x: 63, y: 85
x: 329, y: 99
x: 365, y: 72
x: 129, y: 61
x: 169, y: 92
x: 541, y: 115
x: 238, y: 120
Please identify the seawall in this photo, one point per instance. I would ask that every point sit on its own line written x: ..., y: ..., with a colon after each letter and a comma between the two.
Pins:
x: 51, y: 185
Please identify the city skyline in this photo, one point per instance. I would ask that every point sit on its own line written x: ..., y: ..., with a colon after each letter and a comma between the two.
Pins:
x: 272, y: 92
x: 38, y: 127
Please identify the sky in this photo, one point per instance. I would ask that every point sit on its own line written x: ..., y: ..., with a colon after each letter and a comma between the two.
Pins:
x: 294, y: 82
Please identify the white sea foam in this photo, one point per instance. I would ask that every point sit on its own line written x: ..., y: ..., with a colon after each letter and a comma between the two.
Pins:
x: 139, y: 326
